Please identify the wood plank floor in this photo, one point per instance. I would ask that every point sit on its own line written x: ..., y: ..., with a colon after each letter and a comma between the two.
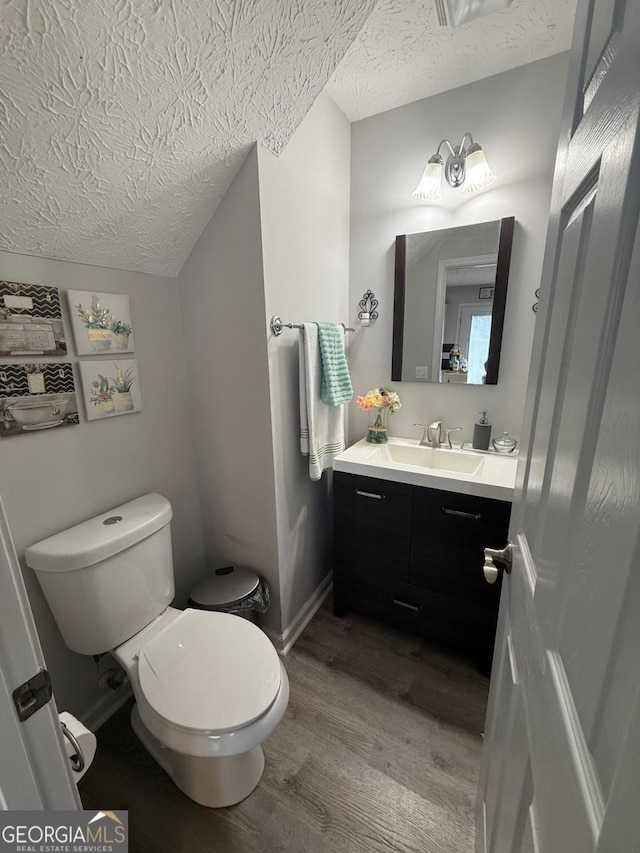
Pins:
x: 379, y: 751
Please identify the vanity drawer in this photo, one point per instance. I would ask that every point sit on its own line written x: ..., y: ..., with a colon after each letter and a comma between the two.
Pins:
x: 358, y: 590
x: 439, y: 506
x: 457, y: 623
x: 372, y: 524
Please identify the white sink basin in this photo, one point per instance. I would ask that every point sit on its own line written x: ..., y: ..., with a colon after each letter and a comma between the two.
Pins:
x: 490, y: 475
x: 457, y: 461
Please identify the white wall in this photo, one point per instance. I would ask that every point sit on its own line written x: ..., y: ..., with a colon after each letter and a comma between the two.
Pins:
x: 515, y: 116
x: 54, y: 479
x: 223, y: 312
x: 304, y: 202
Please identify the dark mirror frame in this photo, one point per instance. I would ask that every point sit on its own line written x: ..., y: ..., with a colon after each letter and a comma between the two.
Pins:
x: 505, y: 242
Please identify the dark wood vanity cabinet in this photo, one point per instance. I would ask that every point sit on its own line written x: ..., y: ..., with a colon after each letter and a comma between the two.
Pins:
x: 414, y: 556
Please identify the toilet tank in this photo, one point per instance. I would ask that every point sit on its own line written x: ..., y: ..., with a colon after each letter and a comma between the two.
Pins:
x: 109, y: 577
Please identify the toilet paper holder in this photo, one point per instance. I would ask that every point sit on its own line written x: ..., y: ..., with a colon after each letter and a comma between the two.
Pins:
x: 77, y: 760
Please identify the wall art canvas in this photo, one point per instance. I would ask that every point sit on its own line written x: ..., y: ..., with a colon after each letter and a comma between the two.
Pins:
x: 110, y: 388
x: 101, y: 323
x: 36, y: 398
x: 30, y: 320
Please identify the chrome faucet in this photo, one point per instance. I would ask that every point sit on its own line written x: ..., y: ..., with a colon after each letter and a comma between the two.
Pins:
x: 434, y: 434
x: 429, y: 438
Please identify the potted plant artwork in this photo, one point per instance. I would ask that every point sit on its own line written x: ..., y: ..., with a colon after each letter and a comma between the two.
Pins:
x: 110, y: 388
x: 121, y: 332
x: 102, y: 395
x: 97, y: 321
x: 121, y: 389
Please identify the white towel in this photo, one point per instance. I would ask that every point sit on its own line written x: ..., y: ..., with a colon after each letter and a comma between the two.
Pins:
x: 321, y: 426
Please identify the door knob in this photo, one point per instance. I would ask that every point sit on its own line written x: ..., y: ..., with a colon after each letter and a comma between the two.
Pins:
x: 502, y: 556
x: 490, y: 571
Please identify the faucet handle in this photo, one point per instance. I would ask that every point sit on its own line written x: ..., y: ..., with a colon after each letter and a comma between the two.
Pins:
x: 448, y: 431
x: 425, y: 427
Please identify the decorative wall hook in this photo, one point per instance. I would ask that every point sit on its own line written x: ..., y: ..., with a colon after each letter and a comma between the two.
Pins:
x: 367, y: 306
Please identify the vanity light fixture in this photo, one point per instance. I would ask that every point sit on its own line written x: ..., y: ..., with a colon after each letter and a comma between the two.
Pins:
x: 367, y: 306
x: 466, y: 167
x: 456, y: 13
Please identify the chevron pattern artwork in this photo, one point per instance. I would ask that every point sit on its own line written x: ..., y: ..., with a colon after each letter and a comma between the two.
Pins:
x: 30, y: 320
x: 22, y: 411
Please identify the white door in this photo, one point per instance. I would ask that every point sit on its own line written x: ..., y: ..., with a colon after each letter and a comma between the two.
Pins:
x: 474, y: 335
x: 34, y: 768
x: 561, y: 761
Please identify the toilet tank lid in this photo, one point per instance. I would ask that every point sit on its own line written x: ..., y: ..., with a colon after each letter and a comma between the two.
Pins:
x: 100, y: 537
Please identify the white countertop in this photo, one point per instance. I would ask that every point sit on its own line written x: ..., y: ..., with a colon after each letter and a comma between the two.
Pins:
x: 494, y: 475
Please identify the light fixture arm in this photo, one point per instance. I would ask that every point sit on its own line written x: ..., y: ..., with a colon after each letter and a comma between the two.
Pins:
x: 449, y: 146
x: 464, y: 150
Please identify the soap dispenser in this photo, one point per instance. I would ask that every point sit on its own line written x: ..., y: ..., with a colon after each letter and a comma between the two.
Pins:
x: 481, y: 432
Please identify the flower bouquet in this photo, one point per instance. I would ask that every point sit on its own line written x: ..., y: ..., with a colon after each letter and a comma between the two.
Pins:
x: 379, y: 402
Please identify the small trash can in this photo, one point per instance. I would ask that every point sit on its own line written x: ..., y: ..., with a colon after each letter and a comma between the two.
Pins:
x: 232, y: 590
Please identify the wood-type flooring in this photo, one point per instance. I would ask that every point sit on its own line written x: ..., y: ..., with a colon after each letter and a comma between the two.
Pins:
x: 379, y: 750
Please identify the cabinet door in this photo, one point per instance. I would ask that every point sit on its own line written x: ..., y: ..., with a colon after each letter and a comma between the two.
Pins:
x: 450, y: 532
x: 372, y: 524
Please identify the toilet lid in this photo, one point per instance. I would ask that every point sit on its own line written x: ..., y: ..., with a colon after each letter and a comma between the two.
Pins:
x: 209, y: 671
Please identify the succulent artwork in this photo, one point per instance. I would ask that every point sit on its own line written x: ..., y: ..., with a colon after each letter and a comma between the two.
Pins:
x: 101, y: 322
x: 120, y: 328
x: 103, y: 392
x: 95, y: 317
x: 110, y: 388
x: 123, y: 381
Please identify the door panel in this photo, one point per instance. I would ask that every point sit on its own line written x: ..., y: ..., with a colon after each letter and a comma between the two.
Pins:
x: 555, y: 373
x: 570, y: 608
x: 34, y: 770
x: 603, y: 45
x: 604, y: 664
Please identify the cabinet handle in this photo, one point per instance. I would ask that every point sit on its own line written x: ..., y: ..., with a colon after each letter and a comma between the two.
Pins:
x: 406, y: 604
x: 474, y: 516
x: 369, y: 494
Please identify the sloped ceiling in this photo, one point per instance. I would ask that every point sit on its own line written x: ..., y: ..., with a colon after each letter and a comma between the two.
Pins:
x: 402, y: 55
x: 122, y: 123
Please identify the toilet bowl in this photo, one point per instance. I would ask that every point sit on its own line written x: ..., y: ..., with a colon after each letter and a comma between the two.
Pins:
x: 209, y: 686
x: 209, y: 689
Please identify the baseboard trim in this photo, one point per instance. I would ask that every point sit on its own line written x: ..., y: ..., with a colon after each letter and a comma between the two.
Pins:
x: 100, y: 711
x: 283, y: 642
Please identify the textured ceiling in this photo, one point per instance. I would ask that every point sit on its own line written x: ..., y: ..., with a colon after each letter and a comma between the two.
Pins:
x: 122, y: 123
x: 402, y: 55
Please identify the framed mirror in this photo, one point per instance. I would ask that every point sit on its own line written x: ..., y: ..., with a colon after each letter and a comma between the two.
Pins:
x: 449, y: 304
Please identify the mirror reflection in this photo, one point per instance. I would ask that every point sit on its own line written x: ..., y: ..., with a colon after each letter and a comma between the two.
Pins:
x: 449, y: 303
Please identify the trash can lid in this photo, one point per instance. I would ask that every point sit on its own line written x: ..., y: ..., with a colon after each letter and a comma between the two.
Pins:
x: 224, y: 587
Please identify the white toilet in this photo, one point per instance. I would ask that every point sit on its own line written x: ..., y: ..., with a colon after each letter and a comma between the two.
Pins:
x: 209, y: 687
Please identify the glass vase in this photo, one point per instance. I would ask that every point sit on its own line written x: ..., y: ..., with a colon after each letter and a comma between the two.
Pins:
x: 377, y: 432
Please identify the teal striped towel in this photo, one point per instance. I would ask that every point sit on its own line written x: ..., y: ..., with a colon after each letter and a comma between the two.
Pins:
x: 335, y: 385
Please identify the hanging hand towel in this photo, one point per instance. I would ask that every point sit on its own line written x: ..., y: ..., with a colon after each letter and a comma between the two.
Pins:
x: 321, y: 426
x: 335, y: 386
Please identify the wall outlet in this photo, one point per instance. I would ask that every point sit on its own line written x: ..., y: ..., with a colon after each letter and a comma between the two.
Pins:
x: 422, y: 372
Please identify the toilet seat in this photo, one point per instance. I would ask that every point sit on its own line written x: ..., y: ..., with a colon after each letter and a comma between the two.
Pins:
x: 209, y: 673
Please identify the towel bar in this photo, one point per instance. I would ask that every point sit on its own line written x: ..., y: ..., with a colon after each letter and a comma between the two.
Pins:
x: 277, y: 326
